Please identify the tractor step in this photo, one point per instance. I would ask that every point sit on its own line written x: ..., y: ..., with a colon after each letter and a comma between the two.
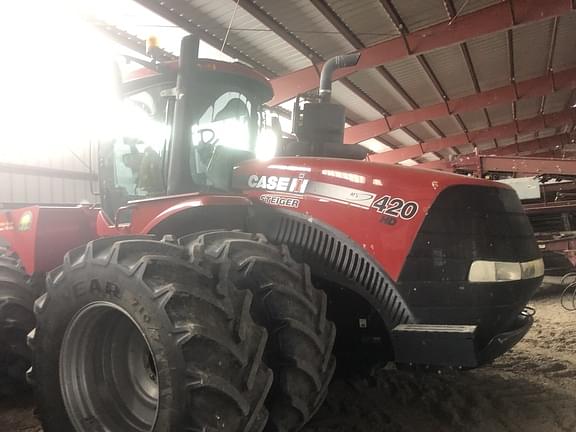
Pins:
x: 435, y: 345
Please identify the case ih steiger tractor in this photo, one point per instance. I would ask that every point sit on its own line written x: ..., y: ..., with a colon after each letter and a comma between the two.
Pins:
x: 214, y: 290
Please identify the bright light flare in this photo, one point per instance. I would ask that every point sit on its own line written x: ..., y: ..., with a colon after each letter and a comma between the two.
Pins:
x: 266, y: 144
x: 58, y: 83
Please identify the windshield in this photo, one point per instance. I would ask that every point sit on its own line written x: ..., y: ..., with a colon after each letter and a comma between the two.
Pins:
x: 228, y: 119
x: 226, y: 115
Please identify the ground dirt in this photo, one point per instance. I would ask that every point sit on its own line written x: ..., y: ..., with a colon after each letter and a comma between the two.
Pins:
x: 532, y: 388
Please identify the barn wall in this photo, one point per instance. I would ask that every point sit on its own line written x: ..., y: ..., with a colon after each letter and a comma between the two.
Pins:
x: 58, y: 178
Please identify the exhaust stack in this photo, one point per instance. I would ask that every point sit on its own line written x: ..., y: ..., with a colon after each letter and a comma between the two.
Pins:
x: 179, y: 177
x: 328, y: 69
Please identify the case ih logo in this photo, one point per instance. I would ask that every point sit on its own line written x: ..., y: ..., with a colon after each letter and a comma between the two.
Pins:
x: 279, y: 184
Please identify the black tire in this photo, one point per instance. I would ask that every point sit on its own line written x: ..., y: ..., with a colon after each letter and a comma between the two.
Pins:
x: 301, y: 340
x: 202, y: 350
x: 16, y: 320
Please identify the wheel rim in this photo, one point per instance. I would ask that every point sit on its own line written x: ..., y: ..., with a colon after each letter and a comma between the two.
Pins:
x: 107, y: 371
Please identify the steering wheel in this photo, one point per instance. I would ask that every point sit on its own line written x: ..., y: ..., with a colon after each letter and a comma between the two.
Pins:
x: 206, y: 145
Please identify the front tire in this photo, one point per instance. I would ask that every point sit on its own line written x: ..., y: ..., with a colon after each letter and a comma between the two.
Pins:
x: 133, y: 338
x: 301, y: 341
x: 16, y: 320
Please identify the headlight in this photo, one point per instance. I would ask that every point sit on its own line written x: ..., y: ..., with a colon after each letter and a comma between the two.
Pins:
x: 500, y: 271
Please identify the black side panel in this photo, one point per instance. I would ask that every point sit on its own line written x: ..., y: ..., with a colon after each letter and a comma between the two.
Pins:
x: 333, y: 256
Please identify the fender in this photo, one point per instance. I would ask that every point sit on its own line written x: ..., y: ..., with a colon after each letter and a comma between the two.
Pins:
x: 41, y: 236
x: 178, y: 215
x: 334, y: 257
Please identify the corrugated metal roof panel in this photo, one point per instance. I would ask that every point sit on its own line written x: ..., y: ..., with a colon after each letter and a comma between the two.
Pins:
x: 400, y: 138
x: 418, y: 14
x: 448, y: 125
x: 505, y: 141
x: 500, y: 114
x: 372, y: 82
x: 375, y: 145
x: 527, y: 108
x: 412, y: 77
x: 544, y: 133
x: 485, y: 145
x: 252, y: 37
x: 366, y: 18
x: 527, y: 136
x: 490, y: 59
x: 450, y: 68
x: 356, y: 108
x: 428, y: 157
x: 557, y: 101
x: 565, y: 52
x: 305, y: 22
x: 466, y: 149
x: 474, y: 120
x: 447, y: 153
x: 464, y: 7
x: 530, y: 39
x: 422, y: 131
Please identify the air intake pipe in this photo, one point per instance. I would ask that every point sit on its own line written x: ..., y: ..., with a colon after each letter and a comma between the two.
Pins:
x: 328, y: 69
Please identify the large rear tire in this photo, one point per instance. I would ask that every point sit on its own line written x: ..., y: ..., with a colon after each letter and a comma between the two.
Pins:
x: 301, y: 340
x: 132, y: 337
x: 16, y: 320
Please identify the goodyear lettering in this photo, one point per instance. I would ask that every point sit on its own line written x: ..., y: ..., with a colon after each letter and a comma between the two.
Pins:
x: 280, y: 184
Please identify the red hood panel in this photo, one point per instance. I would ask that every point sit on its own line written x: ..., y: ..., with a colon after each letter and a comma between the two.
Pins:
x: 381, y: 207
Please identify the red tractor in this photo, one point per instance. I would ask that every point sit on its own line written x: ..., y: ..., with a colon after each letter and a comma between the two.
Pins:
x: 214, y: 290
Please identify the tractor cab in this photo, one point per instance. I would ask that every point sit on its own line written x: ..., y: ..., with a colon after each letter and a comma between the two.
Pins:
x: 183, y: 132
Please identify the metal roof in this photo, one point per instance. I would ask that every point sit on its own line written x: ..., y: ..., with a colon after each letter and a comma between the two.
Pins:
x: 452, y: 49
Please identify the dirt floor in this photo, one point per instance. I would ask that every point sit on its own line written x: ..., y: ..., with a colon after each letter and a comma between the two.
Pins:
x: 532, y: 388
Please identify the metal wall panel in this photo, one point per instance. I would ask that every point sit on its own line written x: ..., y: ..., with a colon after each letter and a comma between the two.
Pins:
x: 45, y: 175
x: 30, y: 189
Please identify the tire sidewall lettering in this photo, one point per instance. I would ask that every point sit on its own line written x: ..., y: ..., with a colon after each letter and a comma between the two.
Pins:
x: 126, y: 293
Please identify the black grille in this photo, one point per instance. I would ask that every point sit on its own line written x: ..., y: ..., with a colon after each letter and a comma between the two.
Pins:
x: 468, y: 223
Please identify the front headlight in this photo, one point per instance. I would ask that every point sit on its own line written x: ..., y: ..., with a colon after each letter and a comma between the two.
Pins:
x: 501, y: 271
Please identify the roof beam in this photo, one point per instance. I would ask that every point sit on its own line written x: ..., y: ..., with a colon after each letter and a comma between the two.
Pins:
x: 474, y: 79
x: 550, y: 61
x: 179, y: 13
x: 524, y: 165
x: 512, y: 149
x: 544, y: 85
x: 355, y: 41
x: 261, y: 15
x: 488, y: 20
x: 502, y: 131
x: 530, y: 146
x: 403, y: 30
